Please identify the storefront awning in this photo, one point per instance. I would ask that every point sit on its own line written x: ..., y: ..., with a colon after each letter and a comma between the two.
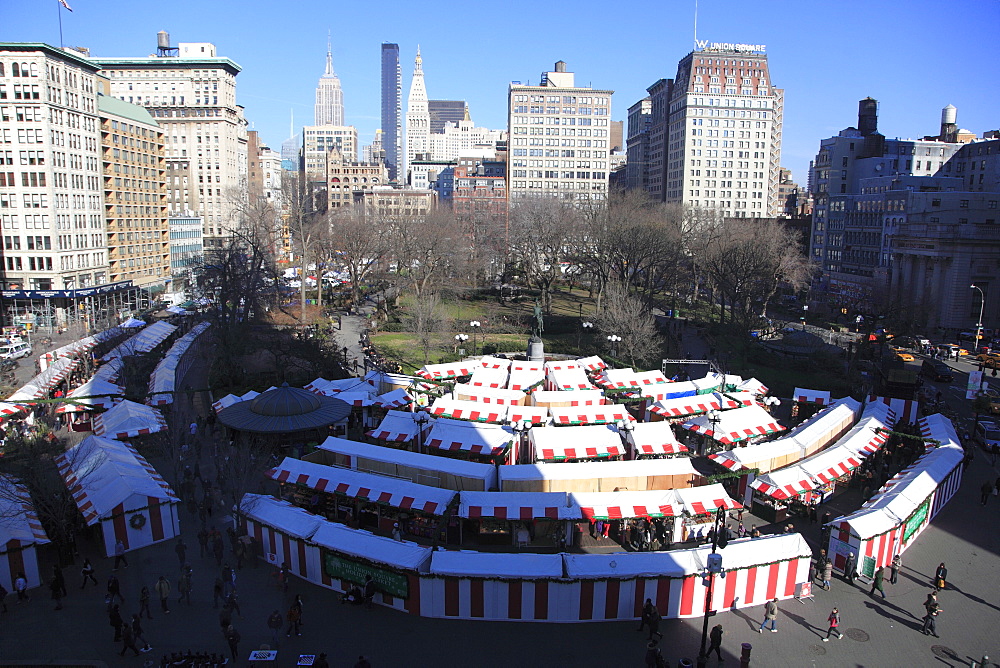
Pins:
x: 578, y: 415
x: 517, y: 506
x: 706, y: 499
x: 821, y: 397
x: 584, y: 442
x: 654, y: 438
x: 481, y: 439
x: 627, y: 504
x: 736, y: 425
x: 784, y: 483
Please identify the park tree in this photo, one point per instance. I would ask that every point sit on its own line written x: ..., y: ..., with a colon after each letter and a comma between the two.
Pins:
x: 361, y: 242
x: 425, y: 249
x: 541, y: 233
x: 624, y: 314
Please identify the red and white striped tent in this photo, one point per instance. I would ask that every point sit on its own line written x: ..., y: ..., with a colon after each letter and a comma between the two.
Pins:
x: 831, y: 464
x: 586, y: 442
x: 356, y: 399
x: 524, y: 379
x: 72, y: 349
x: 110, y: 370
x: 706, y: 499
x: 702, y: 403
x: 804, y: 395
x: 112, y: 485
x: 466, y: 564
x: 627, y: 504
x: 281, y: 530
x: 753, y: 385
x: 226, y: 402
x: 736, y: 425
x: 750, y: 456
x: 561, y: 398
x: 592, y: 363
x: 368, y: 486
x: 92, y: 394
x: 863, y: 438
x: 577, y: 415
x: 567, y: 378
x: 624, y: 378
x: 653, y: 438
x: 785, y: 483
x: 448, y: 371
x: 596, y: 476
x: 20, y: 533
x: 488, y: 395
x: 143, y: 342
x: 398, y: 398
x: 162, y: 382
x: 129, y: 419
x: 46, y: 381
x: 468, y: 410
x: 482, y: 439
x: 491, y: 362
x: 906, y: 411
x: 7, y: 409
x: 400, y: 426
x: 489, y: 377
x: 882, y: 411
x: 533, y: 414
x: 332, y: 388
x: 527, y: 365
x: 517, y: 505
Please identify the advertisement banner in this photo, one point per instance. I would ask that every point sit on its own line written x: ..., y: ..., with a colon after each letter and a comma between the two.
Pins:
x: 341, y: 568
x: 975, y: 384
x: 916, y: 520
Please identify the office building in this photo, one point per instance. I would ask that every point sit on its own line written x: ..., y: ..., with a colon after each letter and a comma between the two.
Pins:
x: 446, y: 111
x: 319, y: 140
x: 392, y: 129
x: 346, y: 176
x: 187, y: 250
x: 264, y: 171
x: 418, y: 119
x: 374, y: 152
x: 329, y: 107
x: 480, y: 189
x: 637, y: 145
x: 385, y: 203
x: 559, y: 136
x: 191, y: 93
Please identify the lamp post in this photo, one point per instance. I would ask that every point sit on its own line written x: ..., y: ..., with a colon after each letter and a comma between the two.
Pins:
x: 421, y: 419
x: 714, y: 418
x: 585, y: 326
x: 805, y: 312
x: 521, y: 428
x: 771, y: 402
x: 459, y: 340
x: 475, y: 325
x: 625, y: 427
x: 979, y: 325
x: 613, y: 340
x: 719, y: 541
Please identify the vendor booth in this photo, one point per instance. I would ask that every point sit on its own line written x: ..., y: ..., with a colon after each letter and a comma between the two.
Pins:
x: 473, y: 411
x: 525, y: 379
x: 128, y: 420
x: 562, y: 399
x: 486, y: 441
x: 489, y: 395
x: 567, y: 378
x: 491, y: 362
x: 700, y: 505
x: 450, y: 371
x: 394, y: 399
x: 577, y: 415
x: 519, y: 519
x: 20, y: 535
x: 652, y: 439
x: 401, y: 426
x: 605, y: 476
x: 281, y: 529
x: 628, y: 378
x: 592, y: 363
x: 92, y: 395
x: 116, y: 489
x: 489, y: 377
x: 143, y: 342
x: 600, y: 441
x: 684, y: 406
x: 734, y: 426
x: 662, y: 508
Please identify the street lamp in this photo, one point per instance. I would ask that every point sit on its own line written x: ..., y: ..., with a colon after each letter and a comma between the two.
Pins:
x: 771, y: 402
x: 459, y: 340
x: 714, y: 417
x: 475, y: 325
x: 625, y: 427
x: 719, y: 541
x: 421, y: 419
x: 585, y: 326
x: 979, y: 325
x: 805, y: 312
x: 613, y: 340
x: 521, y: 428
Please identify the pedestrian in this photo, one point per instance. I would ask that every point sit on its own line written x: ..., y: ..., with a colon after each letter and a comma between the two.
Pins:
x: 770, y: 615
x: 21, y: 587
x: 897, y: 563
x: 826, y: 518
x: 986, y: 490
x: 879, y: 582
x: 218, y: 548
x: 232, y: 603
x: 240, y: 552
x: 362, y: 662
x: 647, y: 610
x: 144, y: 602
x: 834, y: 620
x: 930, y: 619
x: 275, y: 622
x: 369, y: 591
x: 120, y: 555
x: 715, y: 641
x: 849, y: 568
x: 128, y: 640
x: 294, y: 616
x: 137, y: 633
x: 654, y: 657
x: 116, y: 621
x: 57, y: 575
x: 225, y: 618
x: 114, y: 589
x: 941, y: 577
x: 217, y: 593
x: 193, y: 429
x: 396, y: 533
x: 741, y: 530
x: 812, y: 514
x: 87, y: 572
x: 3, y: 597
x: 754, y: 531
x: 654, y: 623
x: 56, y: 588
x: 184, y: 585
x: 181, y: 549
x: 321, y: 661
x: 827, y: 574
x: 202, y: 542
x: 162, y: 588
x: 233, y: 638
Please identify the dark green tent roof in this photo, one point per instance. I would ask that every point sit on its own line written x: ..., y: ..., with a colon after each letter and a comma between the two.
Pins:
x: 284, y: 410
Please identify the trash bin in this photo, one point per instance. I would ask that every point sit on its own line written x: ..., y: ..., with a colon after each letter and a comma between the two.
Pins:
x: 685, y: 663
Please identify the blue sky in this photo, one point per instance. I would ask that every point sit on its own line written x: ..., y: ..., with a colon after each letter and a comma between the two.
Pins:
x: 915, y: 57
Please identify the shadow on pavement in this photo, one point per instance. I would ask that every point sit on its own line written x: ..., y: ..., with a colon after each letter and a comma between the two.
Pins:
x: 903, y: 621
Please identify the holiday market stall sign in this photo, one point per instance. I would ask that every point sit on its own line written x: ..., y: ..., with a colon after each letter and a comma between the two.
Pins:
x: 340, y: 568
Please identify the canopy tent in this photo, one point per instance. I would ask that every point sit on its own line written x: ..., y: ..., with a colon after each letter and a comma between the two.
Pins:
x: 448, y: 371
x: 881, y: 411
x: 356, y: 399
x: 163, y: 380
x: 284, y: 410
x: 587, y: 442
x: 143, y: 342
x: 489, y: 377
x: 133, y: 323
x: 559, y: 365
x: 129, y: 419
x: 567, y: 378
x: 934, y: 425
x: 706, y: 499
x: 8, y: 409
x: 762, y: 456
x: 109, y: 371
x: 517, y: 505
x: 785, y: 483
x: 524, y: 379
x: 225, y: 402
x: 466, y: 564
x: 93, y: 394
x: 682, y: 406
x: 397, y: 554
x: 592, y: 363
x: 532, y: 414
x: 736, y: 425
x: 564, y: 399
x: 653, y: 438
x: 375, y: 488
x: 43, y: 383
x: 481, y: 439
x: 400, y: 426
x: 333, y: 387
x: 398, y: 398
x: 866, y: 437
x: 110, y: 333
x: 20, y: 533
x: 604, y: 476
x: 527, y: 365
x: 686, y: 388
x: 627, y: 378
x: 491, y: 362
x: 488, y: 395
x: 176, y: 310
x: 282, y: 515
x: 627, y: 504
x: 75, y: 348
x: 468, y: 410
x: 753, y: 385
x: 821, y: 397
x: 577, y: 415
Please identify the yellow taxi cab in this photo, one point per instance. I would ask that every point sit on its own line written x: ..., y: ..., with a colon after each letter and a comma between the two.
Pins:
x: 989, y: 359
x: 903, y: 354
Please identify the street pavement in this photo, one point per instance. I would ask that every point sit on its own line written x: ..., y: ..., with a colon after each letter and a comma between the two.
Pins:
x: 877, y: 632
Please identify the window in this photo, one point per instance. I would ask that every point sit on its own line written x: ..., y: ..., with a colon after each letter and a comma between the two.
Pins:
x: 963, y: 204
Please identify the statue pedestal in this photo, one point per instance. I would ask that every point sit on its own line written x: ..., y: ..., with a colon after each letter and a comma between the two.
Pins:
x: 536, y: 351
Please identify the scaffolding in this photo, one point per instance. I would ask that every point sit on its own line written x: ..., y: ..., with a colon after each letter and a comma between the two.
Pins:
x: 80, y: 314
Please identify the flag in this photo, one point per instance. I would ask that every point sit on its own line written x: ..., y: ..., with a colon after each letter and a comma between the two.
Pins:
x: 65, y: 4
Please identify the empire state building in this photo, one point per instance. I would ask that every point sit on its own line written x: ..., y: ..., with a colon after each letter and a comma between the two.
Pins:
x: 329, y: 108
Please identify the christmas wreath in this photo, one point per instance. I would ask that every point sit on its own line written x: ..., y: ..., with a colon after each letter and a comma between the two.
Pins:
x: 137, y: 521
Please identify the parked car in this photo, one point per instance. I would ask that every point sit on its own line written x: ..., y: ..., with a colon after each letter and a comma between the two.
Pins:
x: 989, y: 359
x: 994, y: 398
x: 937, y: 371
x: 15, y: 350
x: 988, y: 434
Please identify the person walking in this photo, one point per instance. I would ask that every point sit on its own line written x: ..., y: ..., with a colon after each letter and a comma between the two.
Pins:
x: 116, y: 621
x: 59, y: 579
x: 218, y: 548
x: 369, y: 591
x: 985, y: 491
x: 715, y: 641
x: 184, y: 585
x: 654, y: 623
x: 834, y: 620
x: 57, y: 589
x: 878, y: 582
x: 275, y: 622
x: 827, y: 573
x: 120, y: 555
x: 647, y: 610
x: 181, y: 549
x: 202, y: 542
x: 3, y: 597
x: 21, y: 587
x: 812, y: 514
x: 933, y: 609
x: 162, y: 588
x: 941, y: 577
x: 87, y: 572
x: 114, y: 588
x: 217, y: 593
x: 144, y: 602
x: 654, y: 657
x: 770, y: 615
x: 897, y: 563
x: 294, y: 617
x: 233, y: 638
x: 849, y: 568
x: 128, y: 640
x: 137, y: 635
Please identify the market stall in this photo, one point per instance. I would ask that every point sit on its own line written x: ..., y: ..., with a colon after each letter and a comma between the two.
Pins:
x: 489, y: 377
x: 753, y: 385
x: 680, y: 407
x: 162, y: 382
x: 598, y: 441
x: 592, y: 363
x: 128, y: 419
x: 401, y: 426
x: 579, y: 415
x: 394, y: 399
x: 662, y: 508
x: 482, y: 440
x: 444, y: 472
x: 774, y: 490
x: 563, y: 399
x: 567, y: 378
x: 652, y: 439
x: 281, y: 529
x: 628, y: 378
x: 230, y: 399
x: 91, y: 395
x: 116, y: 489
x: 700, y: 504
x: 533, y: 414
x: 491, y: 362
x: 468, y: 410
x: 448, y: 371
x: 735, y: 425
x: 605, y: 476
x: 519, y: 519
x: 20, y: 535
x: 525, y: 379
x: 489, y: 395
x: 143, y: 342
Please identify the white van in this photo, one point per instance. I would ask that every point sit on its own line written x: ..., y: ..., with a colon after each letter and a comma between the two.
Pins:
x: 16, y: 350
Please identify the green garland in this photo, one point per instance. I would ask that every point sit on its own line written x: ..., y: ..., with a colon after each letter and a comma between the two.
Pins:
x: 731, y: 474
x: 900, y: 434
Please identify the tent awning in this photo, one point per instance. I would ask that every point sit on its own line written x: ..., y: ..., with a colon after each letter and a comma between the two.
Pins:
x: 516, y: 505
x: 468, y: 410
x: 654, y: 438
x: 706, y: 499
x: 821, y: 397
x: 784, y: 483
x: 627, y: 504
x: 701, y: 403
x: 448, y: 371
x: 400, y: 426
x: 481, y: 439
x: 577, y: 415
x: 584, y: 442
x: 129, y: 419
x: 736, y: 425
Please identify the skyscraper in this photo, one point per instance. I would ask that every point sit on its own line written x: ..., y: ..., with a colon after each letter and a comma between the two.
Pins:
x: 329, y: 108
x: 418, y: 118
x: 446, y: 111
x: 392, y: 130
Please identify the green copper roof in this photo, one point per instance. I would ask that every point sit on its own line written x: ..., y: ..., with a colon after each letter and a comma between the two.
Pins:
x: 114, y: 106
x: 78, y: 58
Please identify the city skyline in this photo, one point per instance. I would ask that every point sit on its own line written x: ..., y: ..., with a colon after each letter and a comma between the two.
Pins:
x: 823, y: 60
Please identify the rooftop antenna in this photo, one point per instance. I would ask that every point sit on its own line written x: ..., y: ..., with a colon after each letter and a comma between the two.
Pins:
x: 695, y: 24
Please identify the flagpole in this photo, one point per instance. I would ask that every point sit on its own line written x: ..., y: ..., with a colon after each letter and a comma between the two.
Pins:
x: 59, y: 10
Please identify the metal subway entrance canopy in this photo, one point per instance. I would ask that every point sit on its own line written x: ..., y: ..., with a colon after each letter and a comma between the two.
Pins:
x: 705, y: 45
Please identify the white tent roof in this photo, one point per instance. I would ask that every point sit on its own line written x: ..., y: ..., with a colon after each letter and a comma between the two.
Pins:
x: 495, y: 362
x: 592, y: 363
x: 603, y: 414
x: 468, y: 410
x: 594, y: 470
x: 85, y: 396
x: 627, y: 504
x: 621, y: 378
x: 359, y: 543
x: 398, y: 398
x: 128, y: 419
x: 784, y: 483
x: 282, y: 515
x: 522, y: 379
x: 736, y: 425
x: 489, y: 377
x: 527, y: 365
x: 482, y: 439
x: 487, y: 395
x: 143, y: 342
x: 821, y: 397
x: 18, y: 520
x: 701, y: 403
x: 654, y: 438
x: 576, y: 398
x: 465, y: 563
x: 517, y: 505
x: 448, y: 371
x: 534, y: 414
x: 705, y: 499
x: 584, y: 442
x: 571, y: 378
x: 400, y: 426
x: 753, y: 385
